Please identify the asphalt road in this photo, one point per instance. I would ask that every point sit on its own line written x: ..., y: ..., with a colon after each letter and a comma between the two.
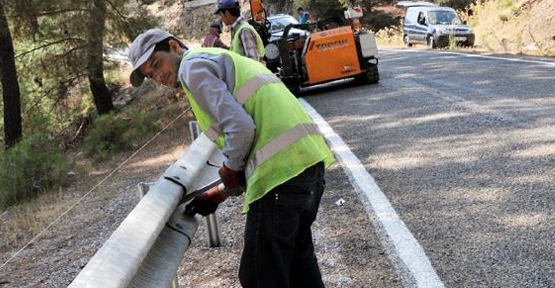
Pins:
x: 463, y: 147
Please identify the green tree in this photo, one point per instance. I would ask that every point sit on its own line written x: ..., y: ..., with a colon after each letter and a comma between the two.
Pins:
x: 322, y: 9
x: 62, y: 44
x: 10, y: 84
x: 455, y: 4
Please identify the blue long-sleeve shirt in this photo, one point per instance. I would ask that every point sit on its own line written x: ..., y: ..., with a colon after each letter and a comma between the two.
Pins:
x: 304, y: 17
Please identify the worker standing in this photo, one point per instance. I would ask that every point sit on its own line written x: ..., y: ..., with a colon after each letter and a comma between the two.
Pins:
x: 273, y: 150
x: 213, y: 37
x: 245, y: 40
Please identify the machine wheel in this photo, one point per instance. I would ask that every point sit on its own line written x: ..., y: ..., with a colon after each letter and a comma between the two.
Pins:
x: 293, y: 86
x: 406, y: 41
x: 431, y: 42
x: 373, y: 74
x: 370, y: 76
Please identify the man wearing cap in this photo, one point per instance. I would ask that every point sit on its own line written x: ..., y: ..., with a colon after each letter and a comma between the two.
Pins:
x: 213, y: 37
x: 244, y: 38
x: 273, y: 151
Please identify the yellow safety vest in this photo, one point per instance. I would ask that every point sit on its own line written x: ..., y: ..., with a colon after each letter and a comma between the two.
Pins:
x: 286, y: 140
x: 236, y: 42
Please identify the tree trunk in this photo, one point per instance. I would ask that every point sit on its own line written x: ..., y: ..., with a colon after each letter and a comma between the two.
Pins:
x: 101, y: 94
x: 10, y: 85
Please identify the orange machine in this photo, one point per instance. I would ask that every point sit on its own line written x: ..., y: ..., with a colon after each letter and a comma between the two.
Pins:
x: 314, y: 53
x: 257, y: 11
x: 338, y: 48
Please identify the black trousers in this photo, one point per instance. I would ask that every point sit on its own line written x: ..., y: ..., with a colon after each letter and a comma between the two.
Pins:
x: 278, y: 249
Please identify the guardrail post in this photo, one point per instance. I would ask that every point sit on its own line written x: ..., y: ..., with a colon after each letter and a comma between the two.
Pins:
x: 212, y: 219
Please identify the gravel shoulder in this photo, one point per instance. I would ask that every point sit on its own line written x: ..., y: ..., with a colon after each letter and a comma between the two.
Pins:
x: 346, y: 245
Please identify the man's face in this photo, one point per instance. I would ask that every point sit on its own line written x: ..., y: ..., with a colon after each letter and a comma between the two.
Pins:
x: 227, y: 18
x: 163, y: 66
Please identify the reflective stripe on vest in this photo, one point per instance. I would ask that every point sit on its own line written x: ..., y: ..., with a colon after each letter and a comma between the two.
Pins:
x: 253, y: 84
x: 279, y: 143
x: 236, y: 42
x: 242, y: 95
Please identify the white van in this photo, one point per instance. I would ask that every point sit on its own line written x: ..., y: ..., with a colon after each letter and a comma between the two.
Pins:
x: 434, y: 26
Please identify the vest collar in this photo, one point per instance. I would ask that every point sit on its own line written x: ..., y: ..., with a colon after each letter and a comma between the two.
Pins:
x: 237, y: 22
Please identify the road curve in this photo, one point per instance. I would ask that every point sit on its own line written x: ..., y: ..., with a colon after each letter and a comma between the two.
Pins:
x: 463, y: 146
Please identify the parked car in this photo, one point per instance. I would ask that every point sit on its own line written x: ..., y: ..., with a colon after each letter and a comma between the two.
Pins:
x: 279, y: 22
x: 434, y: 26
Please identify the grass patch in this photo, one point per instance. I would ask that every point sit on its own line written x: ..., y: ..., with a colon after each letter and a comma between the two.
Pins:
x: 114, y: 133
x: 503, y: 17
x: 22, y: 222
x: 452, y: 43
x: 390, y: 37
x: 519, y: 45
x: 33, y: 166
x: 504, y: 4
x: 505, y: 45
x: 484, y: 39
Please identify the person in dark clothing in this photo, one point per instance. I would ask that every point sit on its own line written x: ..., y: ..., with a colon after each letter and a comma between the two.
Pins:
x: 213, y: 37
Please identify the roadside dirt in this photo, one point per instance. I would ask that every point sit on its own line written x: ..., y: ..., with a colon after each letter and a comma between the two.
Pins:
x: 525, y: 27
x: 347, y: 248
x: 348, y: 251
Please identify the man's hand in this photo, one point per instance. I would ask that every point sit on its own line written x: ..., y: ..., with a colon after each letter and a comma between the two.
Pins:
x: 232, y: 179
x: 207, y: 202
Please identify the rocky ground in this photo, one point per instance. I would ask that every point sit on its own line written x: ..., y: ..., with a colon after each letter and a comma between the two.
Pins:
x: 345, y: 242
x: 525, y: 27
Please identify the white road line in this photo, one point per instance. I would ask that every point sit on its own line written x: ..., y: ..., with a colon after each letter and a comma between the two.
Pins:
x: 407, y: 255
x: 546, y: 63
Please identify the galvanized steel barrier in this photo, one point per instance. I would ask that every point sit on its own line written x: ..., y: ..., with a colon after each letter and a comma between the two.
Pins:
x: 148, y: 246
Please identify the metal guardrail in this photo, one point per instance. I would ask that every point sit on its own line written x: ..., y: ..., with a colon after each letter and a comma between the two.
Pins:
x: 148, y: 246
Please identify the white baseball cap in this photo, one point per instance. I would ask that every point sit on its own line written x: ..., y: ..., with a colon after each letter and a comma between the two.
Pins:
x: 141, y: 49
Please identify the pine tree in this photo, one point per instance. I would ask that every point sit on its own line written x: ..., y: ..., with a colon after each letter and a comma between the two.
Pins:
x: 10, y: 84
x: 60, y: 47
